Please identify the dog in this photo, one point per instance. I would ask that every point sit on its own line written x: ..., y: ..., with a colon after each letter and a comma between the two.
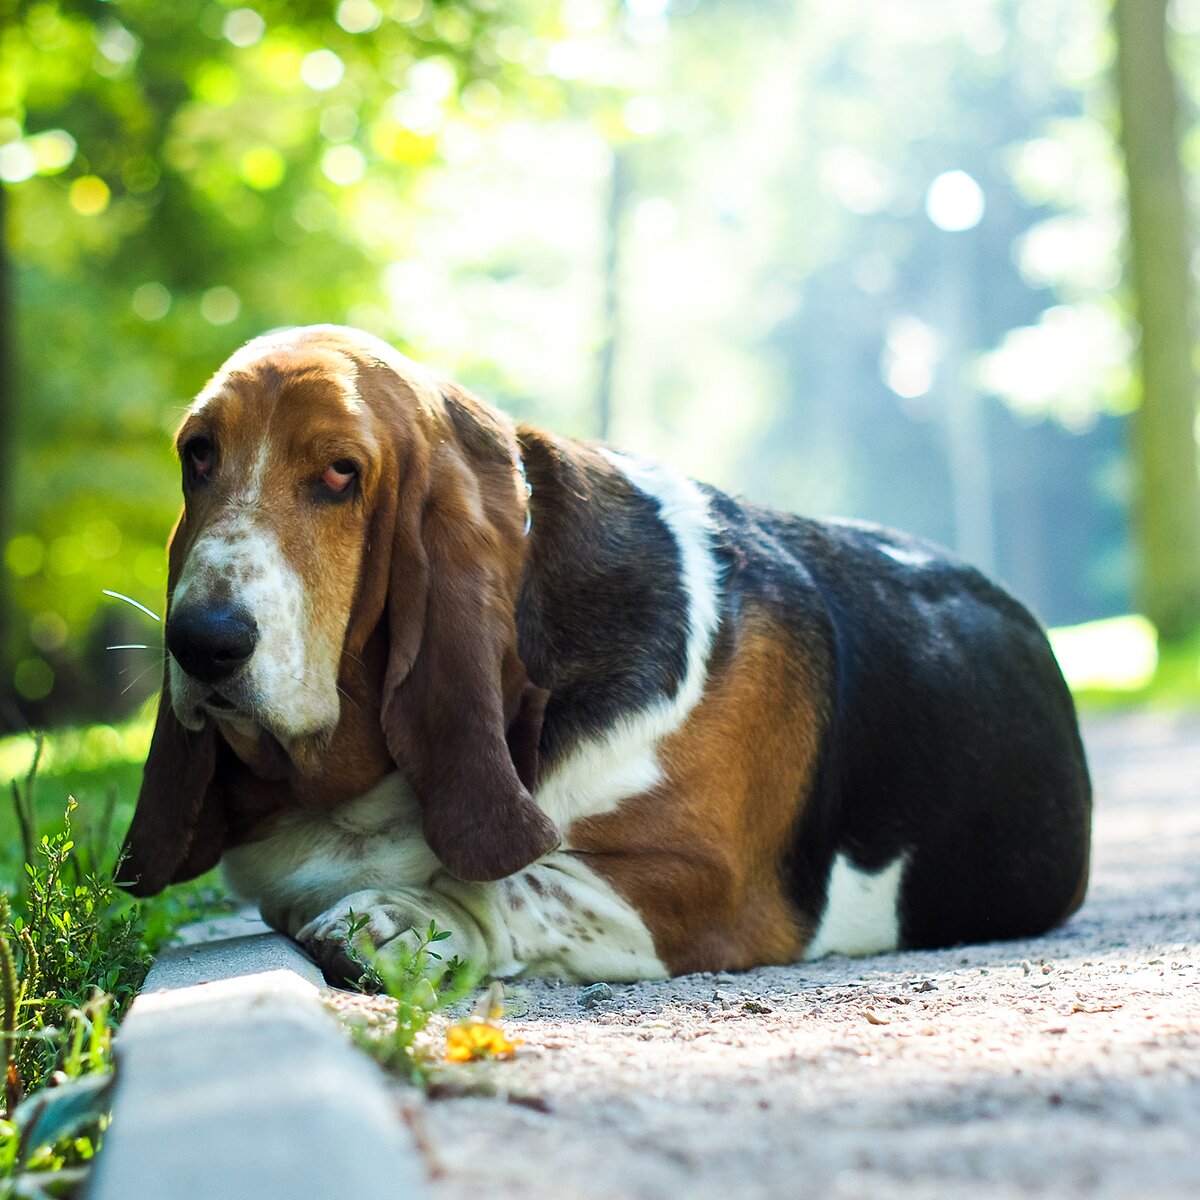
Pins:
x: 595, y: 719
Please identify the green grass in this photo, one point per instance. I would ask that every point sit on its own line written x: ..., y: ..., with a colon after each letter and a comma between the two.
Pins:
x: 74, y: 950
x: 100, y: 766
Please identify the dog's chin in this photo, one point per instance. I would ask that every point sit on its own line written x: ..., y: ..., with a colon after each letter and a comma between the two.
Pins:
x: 187, y: 710
x: 255, y: 732
x: 307, y: 750
x: 269, y: 752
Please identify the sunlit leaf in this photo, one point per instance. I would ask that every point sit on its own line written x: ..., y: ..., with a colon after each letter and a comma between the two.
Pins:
x: 58, y: 1112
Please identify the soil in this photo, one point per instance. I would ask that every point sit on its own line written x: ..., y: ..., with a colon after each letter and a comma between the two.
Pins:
x: 1066, y: 1066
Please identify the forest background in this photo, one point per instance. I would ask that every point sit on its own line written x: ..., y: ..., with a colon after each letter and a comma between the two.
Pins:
x: 841, y: 256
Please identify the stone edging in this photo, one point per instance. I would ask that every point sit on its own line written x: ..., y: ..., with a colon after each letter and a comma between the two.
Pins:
x: 234, y: 1082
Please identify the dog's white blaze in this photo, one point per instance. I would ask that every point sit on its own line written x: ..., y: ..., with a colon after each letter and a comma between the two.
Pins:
x: 557, y: 917
x: 862, y: 910
x: 603, y: 771
x: 252, y: 493
x: 291, y: 678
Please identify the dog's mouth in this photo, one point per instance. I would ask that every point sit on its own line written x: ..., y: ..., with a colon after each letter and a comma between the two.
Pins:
x: 228, y: 712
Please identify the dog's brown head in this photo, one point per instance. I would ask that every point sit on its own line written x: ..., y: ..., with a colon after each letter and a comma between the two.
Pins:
x: 341, y: 596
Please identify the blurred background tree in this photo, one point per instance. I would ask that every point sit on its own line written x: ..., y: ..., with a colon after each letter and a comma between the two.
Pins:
x: 839, y: 255
x: 1168, y: 497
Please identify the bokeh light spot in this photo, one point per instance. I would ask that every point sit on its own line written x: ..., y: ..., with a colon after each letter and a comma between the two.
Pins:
x: 955, y: 202
x: 48, y: 631
x: 65, y: 556
x: 53, y: 151
x: 358, y: 16
x: 322, y: 70
x: 33, y: 678
x: 89, y: 195
x: 220, y: 305
x: 24, y: 555
x: 481, y: 98
x: 101, y: 538
x: 244, y: 27
x: 343, y: 165
x: 17, y: 162
x: 116, y: 43
x: 151, y: 301
x: 263, y: 168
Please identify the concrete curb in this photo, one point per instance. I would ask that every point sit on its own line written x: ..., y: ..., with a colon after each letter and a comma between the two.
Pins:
x: 234, y: 1082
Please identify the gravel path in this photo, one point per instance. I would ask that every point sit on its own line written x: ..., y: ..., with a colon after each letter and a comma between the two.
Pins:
x: 1063, y: 1067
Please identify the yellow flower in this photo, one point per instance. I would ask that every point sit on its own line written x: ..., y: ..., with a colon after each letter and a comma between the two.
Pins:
x: 475, y: 1039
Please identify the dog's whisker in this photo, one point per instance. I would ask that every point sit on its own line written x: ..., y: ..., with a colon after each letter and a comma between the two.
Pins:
x: 130, y: 646
x: 139, y: 677
x: 160, y: 661
x: 130, y: 600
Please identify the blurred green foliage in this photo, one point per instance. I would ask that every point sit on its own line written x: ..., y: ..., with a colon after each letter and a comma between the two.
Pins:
x: 181, y: 177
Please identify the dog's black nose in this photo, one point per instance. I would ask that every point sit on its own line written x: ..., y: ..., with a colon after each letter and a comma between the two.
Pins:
x: 211, y: 641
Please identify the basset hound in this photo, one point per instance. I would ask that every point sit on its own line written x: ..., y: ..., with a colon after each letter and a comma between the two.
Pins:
x: 594, y: 718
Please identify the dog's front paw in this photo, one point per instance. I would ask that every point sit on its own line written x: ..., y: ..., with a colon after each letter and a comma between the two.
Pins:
x: 345, y: 939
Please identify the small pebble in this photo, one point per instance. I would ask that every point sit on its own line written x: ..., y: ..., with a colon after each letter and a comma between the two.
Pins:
x: 596, y: 993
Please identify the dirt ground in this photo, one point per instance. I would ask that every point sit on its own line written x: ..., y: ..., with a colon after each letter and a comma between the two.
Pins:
x: 1064, y: 1067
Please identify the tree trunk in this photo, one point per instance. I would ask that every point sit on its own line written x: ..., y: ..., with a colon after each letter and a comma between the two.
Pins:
x: 1167, y: 474
x: 8, y: 437
x: 606, y: 356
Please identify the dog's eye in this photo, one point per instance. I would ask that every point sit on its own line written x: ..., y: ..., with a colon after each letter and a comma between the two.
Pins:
x: 199, y: 455
x: 340, y: 476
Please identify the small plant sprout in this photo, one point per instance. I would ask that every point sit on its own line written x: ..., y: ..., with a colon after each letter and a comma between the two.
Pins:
x: 409, y: 973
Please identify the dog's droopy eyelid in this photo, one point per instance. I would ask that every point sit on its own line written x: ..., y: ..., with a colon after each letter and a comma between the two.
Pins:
x: 198, y: 455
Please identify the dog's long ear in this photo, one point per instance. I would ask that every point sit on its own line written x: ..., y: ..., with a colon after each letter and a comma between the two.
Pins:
x: 178, y: 828
x: 461, y: 718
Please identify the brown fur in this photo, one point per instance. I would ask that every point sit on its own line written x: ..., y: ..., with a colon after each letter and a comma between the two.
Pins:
x: 419, y: 581
x: 416, y: 579
x: 699, y: 856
